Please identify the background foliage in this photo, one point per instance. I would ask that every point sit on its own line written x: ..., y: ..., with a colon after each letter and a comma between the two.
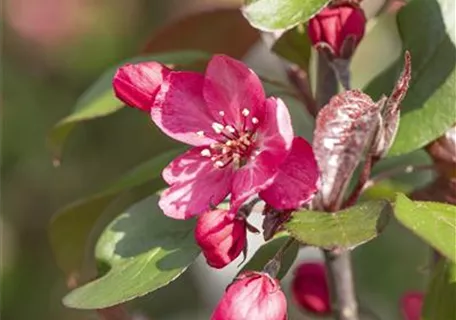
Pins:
x: 52, y: 52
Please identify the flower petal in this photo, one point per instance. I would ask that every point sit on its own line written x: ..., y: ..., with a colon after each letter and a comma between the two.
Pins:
x: 196, y: 185
x: 273, y: 143
x: 297, y: 180
x: 137, y: 84
x: 230, y: 86
x: 180, y: 110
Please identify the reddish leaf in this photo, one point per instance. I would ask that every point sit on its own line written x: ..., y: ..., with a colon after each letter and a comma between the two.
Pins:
x: 344, y: 129
x: 220, y: 31
x: 391, y: 112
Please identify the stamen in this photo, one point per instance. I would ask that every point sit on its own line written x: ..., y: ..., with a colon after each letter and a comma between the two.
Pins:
x: 206, y: 153
x: 200, y: 133
x: 255, y: 120
x: 230, y: 129
x: 218, y: 128
x: 245, y: 112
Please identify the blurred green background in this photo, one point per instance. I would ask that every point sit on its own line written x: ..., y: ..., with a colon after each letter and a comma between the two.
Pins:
x: 52, y: 51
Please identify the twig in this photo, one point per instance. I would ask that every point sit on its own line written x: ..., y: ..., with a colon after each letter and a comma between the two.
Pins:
x: 340, y: 278
x: 300, y: 79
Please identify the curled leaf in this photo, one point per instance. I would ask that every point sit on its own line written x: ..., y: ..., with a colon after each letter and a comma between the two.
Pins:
x: 391, y: 112
x: 344, y: 129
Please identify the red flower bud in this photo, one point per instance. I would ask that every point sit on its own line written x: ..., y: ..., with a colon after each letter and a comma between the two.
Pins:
x: 411, y: 304
x: 334, y: 25
x: 310, y: 288
x: 253, y: 295
x: 221, y: 236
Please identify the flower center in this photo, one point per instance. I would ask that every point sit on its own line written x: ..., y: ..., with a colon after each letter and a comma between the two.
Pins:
x: 235, y: 143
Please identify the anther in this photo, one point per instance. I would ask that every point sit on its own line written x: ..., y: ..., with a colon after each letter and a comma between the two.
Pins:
x: 230, y: 129
x: 245, y: 112
x: 218, y: 128
x: 200, y: 133
x: 219, y: 163
x: 255, y: 120
x: 221, y: 113
x: 206, y: 153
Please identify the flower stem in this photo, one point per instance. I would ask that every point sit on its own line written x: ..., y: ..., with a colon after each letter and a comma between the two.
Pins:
x: 273, y: 266
x: 340, y: 276
x: 327, y: 84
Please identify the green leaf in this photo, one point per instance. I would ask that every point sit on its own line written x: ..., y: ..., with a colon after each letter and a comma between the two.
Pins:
x: 434, y: 222
x: 268, y: 15
x: 344, y: 229
x: 99, y: 99
x: 267, y: 251
x: 427, y: 31
x: 439, y: 302
x: 294, y: 45
x: 70, y: 228
x: 145, y: 249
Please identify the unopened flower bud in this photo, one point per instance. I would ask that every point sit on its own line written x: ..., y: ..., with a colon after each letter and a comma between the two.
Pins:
x: 137, y: 84
x: 253, y: 295
x: 338, y: 28
x: 221, y: 236
x: 411, y: 304
x: 310, y: 289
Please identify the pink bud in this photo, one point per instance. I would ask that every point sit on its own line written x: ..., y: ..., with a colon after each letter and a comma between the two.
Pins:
x: 221, y: 236
x: 310, y: 288
x: 335, y: 24
x: 138, y: 84
x: 411, y: 304
x: 253, y: 295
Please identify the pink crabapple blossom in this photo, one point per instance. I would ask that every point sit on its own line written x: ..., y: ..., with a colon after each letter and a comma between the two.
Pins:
x: 310, y: 288
x: 240, y: 139
x: 253, y: 295
x: 222, y: 237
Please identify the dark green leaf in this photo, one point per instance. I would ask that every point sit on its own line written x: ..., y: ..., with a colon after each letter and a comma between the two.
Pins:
x: 428, y: 109
x: 99, y: 99
x: 434, y: 222
x: 223, y: 30
x: 70, y: 228
x: 267, y: 251
x: 344, y: 229
x: 294, y: 45
x: 145, y: 249
x: 439, y: 303
x: 268, y: 15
